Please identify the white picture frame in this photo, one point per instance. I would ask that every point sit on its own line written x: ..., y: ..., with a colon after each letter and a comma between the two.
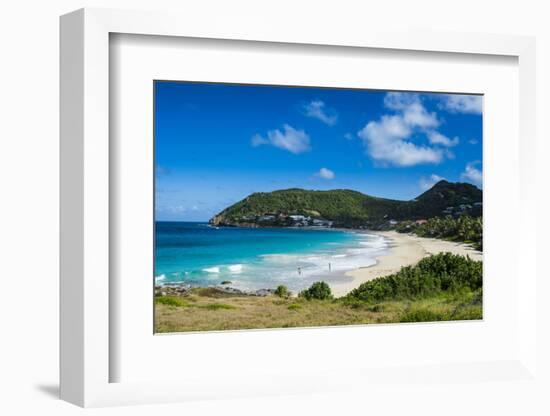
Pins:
x: 86, y: 356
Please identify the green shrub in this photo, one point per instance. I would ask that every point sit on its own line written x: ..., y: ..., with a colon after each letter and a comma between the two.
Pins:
x: 171, y: 301
x: 478, y: 297
x: 423, y: 315
x: 318, y: 290
x: 294, y: 307
x: 218, y: 306
x: 282, y: 291
x: 466, y: 313
x: 444, y: 272
x: 377, y: 308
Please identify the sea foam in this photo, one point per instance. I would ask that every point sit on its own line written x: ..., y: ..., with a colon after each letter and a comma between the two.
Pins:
x: 235, y: 268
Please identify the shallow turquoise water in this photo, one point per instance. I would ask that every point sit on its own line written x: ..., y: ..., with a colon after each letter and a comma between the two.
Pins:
x: 254, y: 258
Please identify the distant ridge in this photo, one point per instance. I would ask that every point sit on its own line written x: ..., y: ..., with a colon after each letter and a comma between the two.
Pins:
x: 347, y: 208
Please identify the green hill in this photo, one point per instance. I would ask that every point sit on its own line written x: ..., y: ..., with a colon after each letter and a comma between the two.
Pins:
x: 346, y: 208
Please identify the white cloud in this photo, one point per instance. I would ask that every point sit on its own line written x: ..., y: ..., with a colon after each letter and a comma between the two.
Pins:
x: 437, y: 138
x: 472, y: 174
x: 473, y: 141
x: 413, y: 112
x: 258, y: 140
x: 317, y: 109
x: 295, y: 141
x: 467, y: 104
x: 386, y: 142
x: 391, y: 139
x: 348, y: 136
x: 399, y: 100
x: 325, y: 173
x: 427, y: 183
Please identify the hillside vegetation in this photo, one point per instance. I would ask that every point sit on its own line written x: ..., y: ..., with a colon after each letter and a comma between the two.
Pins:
x: 344, y: 207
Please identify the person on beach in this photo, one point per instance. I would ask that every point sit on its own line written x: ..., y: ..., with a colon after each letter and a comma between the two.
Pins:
x: 299, y: 271
x: 329, y: 267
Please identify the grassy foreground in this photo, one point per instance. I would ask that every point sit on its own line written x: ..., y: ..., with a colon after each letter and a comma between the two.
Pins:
x: 205, y: 313
x: 443, y: 287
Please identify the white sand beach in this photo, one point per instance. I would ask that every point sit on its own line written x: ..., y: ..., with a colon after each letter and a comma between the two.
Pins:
x: 405, y: 250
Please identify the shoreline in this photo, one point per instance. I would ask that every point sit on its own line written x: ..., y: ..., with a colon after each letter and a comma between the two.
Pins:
x: 404, y: 250
x: 186, y: 308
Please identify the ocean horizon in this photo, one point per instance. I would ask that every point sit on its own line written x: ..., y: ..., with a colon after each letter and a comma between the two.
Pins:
x: 259, y: 258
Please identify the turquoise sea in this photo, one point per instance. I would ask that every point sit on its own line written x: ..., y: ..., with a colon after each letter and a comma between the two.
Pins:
x: 258, y: 258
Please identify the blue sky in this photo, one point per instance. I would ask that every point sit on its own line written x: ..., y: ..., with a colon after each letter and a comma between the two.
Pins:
x: 217, y: 143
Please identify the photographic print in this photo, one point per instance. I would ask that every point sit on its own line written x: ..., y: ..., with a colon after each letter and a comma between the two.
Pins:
x: 289, y: 206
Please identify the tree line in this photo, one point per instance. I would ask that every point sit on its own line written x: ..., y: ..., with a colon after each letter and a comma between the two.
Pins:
x: 464, y: 228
